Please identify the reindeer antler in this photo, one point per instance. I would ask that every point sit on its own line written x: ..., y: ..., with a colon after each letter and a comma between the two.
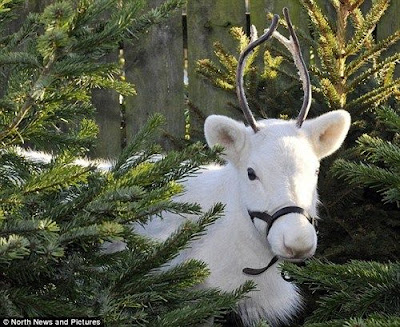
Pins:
x: 240, y: 71
x: 293, y: 46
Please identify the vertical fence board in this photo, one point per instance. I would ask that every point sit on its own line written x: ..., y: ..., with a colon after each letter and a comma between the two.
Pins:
x: 108, y: 118
x: 387, y: 26
x: 258, y: 17
x: 390, y: 23
x: 210, y: 21
x: 260, y: 8
x: 155, y: 66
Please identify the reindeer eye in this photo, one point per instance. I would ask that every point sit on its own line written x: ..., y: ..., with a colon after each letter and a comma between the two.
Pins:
x: 252, y: 174
x: 317, y: 172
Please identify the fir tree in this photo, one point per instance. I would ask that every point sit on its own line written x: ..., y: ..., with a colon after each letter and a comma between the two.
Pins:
x: 266, y: 85
x: 381, y: 166
x: 57, y: 215
x: 358, y: 293
x: 347, y: 57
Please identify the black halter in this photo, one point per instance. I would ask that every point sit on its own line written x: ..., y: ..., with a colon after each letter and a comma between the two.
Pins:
x: 264, y: 216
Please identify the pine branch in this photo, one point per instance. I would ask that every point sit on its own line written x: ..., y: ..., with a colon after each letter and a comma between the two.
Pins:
x: 18, y: 58
x: 372, y: 53
x: 389, y: 117
x: 92, y: 11
x: 376, y: 69
x: 355, y: 289
x: 227, y: 60
x: 14, y: 248
x: 118, y: 23
x: 180, y: 277
x: 373, y: 321
x: 143, y: 139
x: 326, y: 38
x: 31, y: 305
x: 8, y: 10
x: 7, y: 307
x: 210, y: 306
x: 178, y: 241
x: 271, y: 65
x: 154, y: 16
x: 109, y: 231
x: 384, y: 180
x: 36, y: 92
x: 216, y: 76
x: 56, y: 178
x: 239, y: 35
x: 331, y: 93
x: 373, y: 98
x: 378, y: 151
x: 29, y: 227
x: 364, y: 31
x: 358, y: 20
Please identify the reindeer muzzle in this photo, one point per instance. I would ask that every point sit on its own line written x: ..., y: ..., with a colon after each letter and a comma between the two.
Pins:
x: 270, y: 219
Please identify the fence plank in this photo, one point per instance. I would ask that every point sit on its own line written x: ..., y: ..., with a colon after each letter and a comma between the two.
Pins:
x: 258, y: 17
x: 210, y: 21
x: 155, y: 66
x: 108, y: 118
x: 388, y: 25
x: 260, y: 8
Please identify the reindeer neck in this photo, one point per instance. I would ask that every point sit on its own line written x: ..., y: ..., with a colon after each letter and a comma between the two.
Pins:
x: 235, y: 228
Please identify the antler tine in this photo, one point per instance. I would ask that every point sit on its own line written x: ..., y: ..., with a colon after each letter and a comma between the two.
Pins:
x: 294, y: 47
x: 240, y: 71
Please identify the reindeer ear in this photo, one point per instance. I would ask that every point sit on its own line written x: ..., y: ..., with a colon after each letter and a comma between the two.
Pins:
x: 226, y: 132
x: 328, y: 131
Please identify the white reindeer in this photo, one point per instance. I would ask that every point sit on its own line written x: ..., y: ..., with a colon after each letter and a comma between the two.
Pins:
x: 269, y: 188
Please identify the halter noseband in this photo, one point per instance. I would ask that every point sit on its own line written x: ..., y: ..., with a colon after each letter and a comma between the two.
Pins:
x: 270, y: 219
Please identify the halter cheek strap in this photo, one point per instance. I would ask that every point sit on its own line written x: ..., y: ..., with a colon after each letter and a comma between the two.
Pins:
x: 270, y: 219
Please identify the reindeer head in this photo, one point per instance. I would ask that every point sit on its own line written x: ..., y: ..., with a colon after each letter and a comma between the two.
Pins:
x: 277, y: 161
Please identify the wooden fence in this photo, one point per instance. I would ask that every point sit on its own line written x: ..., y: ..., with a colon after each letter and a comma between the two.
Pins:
x: 157, y: 67
x: 157, y: 63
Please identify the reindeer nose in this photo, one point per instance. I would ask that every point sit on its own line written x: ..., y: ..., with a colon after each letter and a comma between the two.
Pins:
x: 297, y: 253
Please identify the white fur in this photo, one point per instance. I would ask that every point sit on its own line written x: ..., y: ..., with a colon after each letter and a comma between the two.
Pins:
x: 285, y: 159
x: 42, y: 157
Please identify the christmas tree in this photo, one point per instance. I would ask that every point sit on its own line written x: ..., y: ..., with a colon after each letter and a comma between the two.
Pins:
x: 57, y: 212
x: 358, y: 293
x: 345, y: 56
x: 381, y: 161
